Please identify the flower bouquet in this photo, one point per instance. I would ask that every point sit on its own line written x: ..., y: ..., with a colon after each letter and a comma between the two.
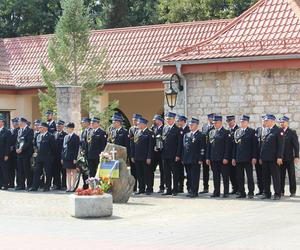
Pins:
x: 97, y: 186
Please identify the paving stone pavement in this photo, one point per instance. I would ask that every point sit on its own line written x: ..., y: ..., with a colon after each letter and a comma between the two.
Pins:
x: 42, y: 221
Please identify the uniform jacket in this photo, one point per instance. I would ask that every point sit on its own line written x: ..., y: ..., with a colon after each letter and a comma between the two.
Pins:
x: 131, y: 134
x: 25, y: 142
x: 13, y: 139
x: 219, y: 148
x: 245, y: 148
x: 291, y: 145
x: 4, y: 143
x: 59, y: 141
x: 157, y: 131
x: 71, y: 148
x: 83, y: 140
x: 143, y: 145
x: 97, y: 141
x: 272, y: 146
x: 193, y: 147
x: 120, y: 137
x: 46, y: 148
x: 232, y: 131
x: 172, y: 142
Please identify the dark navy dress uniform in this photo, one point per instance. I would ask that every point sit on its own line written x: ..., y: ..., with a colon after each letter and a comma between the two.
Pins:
x: 12, y: 161
x: 259, y: 132
x: 232, y: 171
x: 244, y: 150
x: 172, y: 146
x: 4, y: 152
x: 193, y: 152
x: 291, y: 151
x: 157, y: 156
x: 205, y: 130
x: 59, y: 174
x: 120, y: 137
x: 46, y: 150
x: 97, y: 140
x: 84, y: 149
x: 143, y: 150
x: 70, y: 151
x: 24, y: 142
x: 184, y: 131
x: 218, y: 149
x: 272, y: 149
x: 52, y: 126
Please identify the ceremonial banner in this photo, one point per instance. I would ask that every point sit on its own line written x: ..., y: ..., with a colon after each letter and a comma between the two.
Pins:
x: 109, y: 169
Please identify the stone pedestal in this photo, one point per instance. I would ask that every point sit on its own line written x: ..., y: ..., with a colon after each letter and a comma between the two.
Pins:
x: 69, y: 104
x: 91, y: 206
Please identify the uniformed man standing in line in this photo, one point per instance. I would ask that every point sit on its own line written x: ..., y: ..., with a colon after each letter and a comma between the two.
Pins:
x: 24, y: 150
x: 51, y: 123
x: 244, y: 156
x: 86, y: 129
x: 45, y: 154
x: 182, y: 124
x: 232, y: 127
x: 157, y: 129
x: 260, y: 133
x: 97, y: 140
x: 290, y: 155
x: 59, y: 173
x: 131, y: 133
x: 4, y: 154
x: 142, y: 153
x: 205, y: 130
x: 119, y: 135
x: 193, y: 155
x: 218, y: 155
x: 12, y: 159
x: 171, y: 154
x: 271, y: 157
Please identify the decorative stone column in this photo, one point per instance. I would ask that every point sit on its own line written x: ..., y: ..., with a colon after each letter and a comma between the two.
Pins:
x: 69, y: 104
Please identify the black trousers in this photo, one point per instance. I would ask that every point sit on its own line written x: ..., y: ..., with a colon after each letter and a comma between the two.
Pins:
x: 40, y: 168
x: 259, y: 176
x: 12, y: 169
x: 4, y: 180
x: 93, y: 165
x: 59, y: 174
x: 24, y: 172
x: 171, y: 172
x: 241, y: 168
x: 157, y: 161
x: 133, y: 173
x: 219, y: 169
x: 205, y: 176
x: 271, y: 169
x: 288, y: 166
x: 193, y: 177
x: 180, y: 176
x: 144, y: 176
x: 233, y: 177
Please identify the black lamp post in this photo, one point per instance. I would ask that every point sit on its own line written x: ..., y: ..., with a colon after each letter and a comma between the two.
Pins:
x: 171, y: 93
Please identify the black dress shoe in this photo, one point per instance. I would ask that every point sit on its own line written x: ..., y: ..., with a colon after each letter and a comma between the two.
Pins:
x: 148, y: 193
x: 32, y: 189
x: 241, y: 196
x: 167, y: 193
x: 174, y: 194
x: 46, y: 189
x: 276, y: 197
x: 293, y: 195
x: 180, y: 191
x: 193, y: 195
x: 161, y: 191
x: 4, y: 188
x: 250, y: 195
x: 233, y: 192
x: 19, y: 188
x: 215, y: 195
x: 225, y: 196
x: 205, y: 191
x: 139, y: 192
x: 264, y: 197
x: 259, y: 193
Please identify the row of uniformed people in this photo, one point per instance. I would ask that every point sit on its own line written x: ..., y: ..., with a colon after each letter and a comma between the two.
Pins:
x: 230, y: 153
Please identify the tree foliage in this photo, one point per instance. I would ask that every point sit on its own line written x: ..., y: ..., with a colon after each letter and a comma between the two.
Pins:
x: 74, y: 59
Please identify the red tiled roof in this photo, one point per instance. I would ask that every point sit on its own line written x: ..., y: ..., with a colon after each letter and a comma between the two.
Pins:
x: 270, y: 27
x: 132, y: 52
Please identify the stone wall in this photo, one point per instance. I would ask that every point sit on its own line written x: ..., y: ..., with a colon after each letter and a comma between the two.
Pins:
x: 68, y: 104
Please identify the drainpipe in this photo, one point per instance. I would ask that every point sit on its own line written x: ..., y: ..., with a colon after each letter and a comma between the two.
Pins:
x: 183, y: 78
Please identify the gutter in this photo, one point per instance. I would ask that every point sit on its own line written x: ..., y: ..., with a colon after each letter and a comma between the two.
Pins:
x: 228, y: 60
x: 178, y: 71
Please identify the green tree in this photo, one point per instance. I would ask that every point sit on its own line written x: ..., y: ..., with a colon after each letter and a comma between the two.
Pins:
x: 74, y: 60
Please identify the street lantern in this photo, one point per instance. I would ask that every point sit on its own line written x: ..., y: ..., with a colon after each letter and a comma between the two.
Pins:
x: 171, y: 93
